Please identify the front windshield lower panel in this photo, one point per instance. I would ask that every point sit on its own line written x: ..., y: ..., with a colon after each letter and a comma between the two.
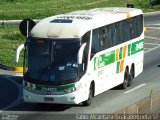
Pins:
x: 51, y: 61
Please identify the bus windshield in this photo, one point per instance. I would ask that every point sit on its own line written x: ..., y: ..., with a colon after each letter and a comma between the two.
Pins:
x: 53, y: 61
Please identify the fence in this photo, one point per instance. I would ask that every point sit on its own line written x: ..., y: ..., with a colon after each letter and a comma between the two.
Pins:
x: 148, y: 105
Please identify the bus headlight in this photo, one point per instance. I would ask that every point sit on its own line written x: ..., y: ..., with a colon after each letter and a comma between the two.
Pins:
x: 29, y: 86
x: 73, y: 89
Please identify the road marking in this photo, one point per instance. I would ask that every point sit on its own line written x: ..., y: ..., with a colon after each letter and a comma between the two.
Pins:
x: 19, y: 75
x: 147, y: 48
x: 152, y: 49
x: 154, y: 24
x: 16, y: 75
x: 151, y: 44
x: 17, y: 101
x: 154, y: 28
x: 135, y: 88
x: 154, y: 38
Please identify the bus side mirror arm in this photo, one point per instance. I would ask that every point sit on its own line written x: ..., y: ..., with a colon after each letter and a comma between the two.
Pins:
x: 80, y: 53
x: 18, y: 50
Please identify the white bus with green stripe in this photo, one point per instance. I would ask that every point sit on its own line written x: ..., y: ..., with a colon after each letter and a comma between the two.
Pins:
x: 72, y: 57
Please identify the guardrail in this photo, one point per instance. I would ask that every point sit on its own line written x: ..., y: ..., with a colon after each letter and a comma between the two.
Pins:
x: 148, y: 105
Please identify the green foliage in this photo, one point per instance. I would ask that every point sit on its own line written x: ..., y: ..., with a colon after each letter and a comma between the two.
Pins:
x: 38, y: 9
x: 155, y: 2
x: 10, y: 39
x: 145, y: 3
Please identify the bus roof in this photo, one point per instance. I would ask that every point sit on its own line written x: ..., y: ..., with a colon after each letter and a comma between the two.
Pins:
x: 75, y: 24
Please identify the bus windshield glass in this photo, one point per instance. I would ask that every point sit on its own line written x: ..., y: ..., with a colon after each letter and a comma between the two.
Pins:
x: 53, y: 61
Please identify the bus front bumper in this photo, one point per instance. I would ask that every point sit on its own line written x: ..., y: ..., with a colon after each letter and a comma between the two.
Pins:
x: 70, y: 98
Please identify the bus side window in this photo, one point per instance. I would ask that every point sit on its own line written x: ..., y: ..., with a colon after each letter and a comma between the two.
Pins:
x: 108, y: 36
x: 121, y: 31
x: 131, y: 28
x: 118, y: 39
x: 83, y: 66
x: 127, y: 31
x: 95, y: 47
x: 103, y: 38
x: 114, y: 35
x: 140, y: 24
x: 86, y: 39
x: 135, y: 30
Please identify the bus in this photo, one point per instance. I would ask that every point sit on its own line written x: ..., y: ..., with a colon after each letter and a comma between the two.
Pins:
x: 72, y: 57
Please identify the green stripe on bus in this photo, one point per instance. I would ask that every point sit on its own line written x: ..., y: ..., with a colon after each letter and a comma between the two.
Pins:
x: 129, y: 49
x: 118, y: 66
x: 58, y: 88
x: 120, y: 53
x: 109, y: 58
x: 106, y: 59
x: 137, y: 46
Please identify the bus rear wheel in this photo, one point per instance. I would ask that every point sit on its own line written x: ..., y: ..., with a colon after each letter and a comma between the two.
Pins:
x: 131, y: 76
x: 90, y: 96
x: 124, y: 85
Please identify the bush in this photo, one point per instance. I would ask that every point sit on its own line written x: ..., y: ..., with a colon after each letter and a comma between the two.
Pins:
x: 10, y: 0
x: 145, y: 3
x: 154, y: 2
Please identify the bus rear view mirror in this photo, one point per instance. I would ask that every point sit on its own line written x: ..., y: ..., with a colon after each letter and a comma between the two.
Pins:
x: 18, y: 50
x: 26, y: 26
x: 80, y: 53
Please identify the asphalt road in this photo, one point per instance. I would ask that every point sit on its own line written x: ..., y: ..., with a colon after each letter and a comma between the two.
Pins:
x: 107, y: 102
x: 152, y: 19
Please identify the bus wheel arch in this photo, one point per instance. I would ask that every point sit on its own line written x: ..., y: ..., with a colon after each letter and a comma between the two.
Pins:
x: 91, y: 94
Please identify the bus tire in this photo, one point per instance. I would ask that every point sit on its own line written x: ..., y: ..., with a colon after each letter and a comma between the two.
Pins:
x: 126, y: 80
x: 131, y: 76
x: 90, y: 96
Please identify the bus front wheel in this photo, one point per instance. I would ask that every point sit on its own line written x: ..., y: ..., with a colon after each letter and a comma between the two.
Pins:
x: 90, y: 96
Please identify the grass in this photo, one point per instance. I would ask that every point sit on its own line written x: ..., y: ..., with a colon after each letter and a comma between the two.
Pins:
x: 38, y: 9
x: 10, y: 36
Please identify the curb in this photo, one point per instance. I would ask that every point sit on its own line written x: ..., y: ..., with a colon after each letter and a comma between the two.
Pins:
x: 17, y: 69
x: 12, y: 22
x: 13, y: 69
x: 151, y: 13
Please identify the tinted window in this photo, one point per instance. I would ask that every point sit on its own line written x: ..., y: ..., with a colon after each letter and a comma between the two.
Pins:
x: 95, y: 41
x: 116, y: 33
x: 108, y: 37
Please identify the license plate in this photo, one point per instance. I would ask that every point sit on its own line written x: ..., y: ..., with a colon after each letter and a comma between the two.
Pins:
x: 48, y: 99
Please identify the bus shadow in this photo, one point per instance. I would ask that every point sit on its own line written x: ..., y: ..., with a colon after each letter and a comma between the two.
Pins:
x: 117, y: 88
x: 33, y: 107
x: 39, y: 107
